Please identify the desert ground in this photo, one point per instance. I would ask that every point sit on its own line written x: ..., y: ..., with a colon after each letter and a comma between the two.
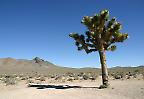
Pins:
x: 86, y: 89
x: 39, y: 79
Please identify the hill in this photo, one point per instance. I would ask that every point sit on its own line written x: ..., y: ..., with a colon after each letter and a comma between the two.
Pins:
x: 22, y: 66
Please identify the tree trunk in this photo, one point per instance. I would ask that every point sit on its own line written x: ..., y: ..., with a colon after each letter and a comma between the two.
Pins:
x: 104, y: 68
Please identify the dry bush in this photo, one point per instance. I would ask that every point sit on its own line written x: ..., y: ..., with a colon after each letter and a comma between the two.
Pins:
x: 30, y: 81
x: 42, y: 78
x: 70, y: 79
x: 61, y: 78
x: 93, y: 77
x: 53, y: 76
x: 24, y: 78
x: 76, y: 78
x: 85, y: 77
x: 81, y: 74
x: 69, y: 74
x: 118, y: 75
x: 10, y: 80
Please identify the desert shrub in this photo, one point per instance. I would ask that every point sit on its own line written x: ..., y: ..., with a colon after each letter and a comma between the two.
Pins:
x: 61, y: 78
x: 42, y: 78
x: 76, y: 78
x: 21, y: 75
x: 135, y: 76
x: 48, y: 76
x: 23, y: 78
x: 14, y: 75
x: 118, y: 75
x: 1, y: 76
x: 129, y: 74
x: 128, y: 77
x: 30, y: 81
x: 30, y: 77
x: 81, y: 74
x: 85, y: 77
x: 58, y: 78
x: 70, y: 74
x: 37, y: 75
x: 70, y: 79
x: 94, y: 77
x: 52, y: 76
x: 136, y: 71
x: 9, y: 80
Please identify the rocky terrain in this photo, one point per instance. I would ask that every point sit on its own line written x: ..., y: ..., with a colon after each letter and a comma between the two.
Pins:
x: 51, y: 88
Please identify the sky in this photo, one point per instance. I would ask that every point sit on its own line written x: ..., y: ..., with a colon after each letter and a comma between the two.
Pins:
x: 30, y: 28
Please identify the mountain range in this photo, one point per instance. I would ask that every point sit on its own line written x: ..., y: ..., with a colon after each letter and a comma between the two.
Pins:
x: 23, y: 66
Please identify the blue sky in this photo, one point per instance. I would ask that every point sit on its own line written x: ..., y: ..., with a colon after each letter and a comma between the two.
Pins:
x: 30, y: 28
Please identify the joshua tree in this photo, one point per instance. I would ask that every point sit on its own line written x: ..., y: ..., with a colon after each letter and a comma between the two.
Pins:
x: 101, y: 35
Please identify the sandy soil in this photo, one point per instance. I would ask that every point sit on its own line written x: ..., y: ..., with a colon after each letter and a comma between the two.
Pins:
x: 126, y: 89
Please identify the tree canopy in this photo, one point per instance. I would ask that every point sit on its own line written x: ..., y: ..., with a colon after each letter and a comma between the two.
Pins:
x: 101, y: 33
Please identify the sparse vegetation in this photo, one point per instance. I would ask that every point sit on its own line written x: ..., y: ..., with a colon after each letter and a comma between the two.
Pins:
x: 70, y: 79
x: 30, y: 81
x: 42, y: 78
x: 118, y: 75
x: 9, y: 80
x: 85, y: 77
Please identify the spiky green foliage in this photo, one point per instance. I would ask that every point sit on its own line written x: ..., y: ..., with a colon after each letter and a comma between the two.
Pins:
x: 101, y: 33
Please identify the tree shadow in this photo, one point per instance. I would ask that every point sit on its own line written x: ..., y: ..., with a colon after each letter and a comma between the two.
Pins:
x: 40, y: 86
